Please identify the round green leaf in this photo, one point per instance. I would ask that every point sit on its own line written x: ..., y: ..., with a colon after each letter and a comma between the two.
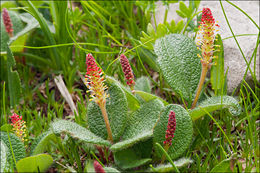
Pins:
x: 178, y: 61
x: 116, y: 106
x: 140, y: 125
x: 126, y: 159
x: 37, y: 163
x: 183, y: 132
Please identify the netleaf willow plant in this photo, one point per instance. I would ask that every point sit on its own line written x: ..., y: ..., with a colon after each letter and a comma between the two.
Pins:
x: 95, y: 84
x: 129, y: 126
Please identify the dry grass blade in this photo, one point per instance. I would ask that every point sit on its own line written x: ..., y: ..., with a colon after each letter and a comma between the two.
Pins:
x: 65, y: 93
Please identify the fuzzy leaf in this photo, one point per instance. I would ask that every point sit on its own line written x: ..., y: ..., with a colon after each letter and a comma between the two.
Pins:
x: 14, y: 82
x: 183, y: 132
x: 111, y: 170
x: 4, y: 167
x: 136, y: 155
x: 168, y: 167
x: 116, y: 106
x: 127, y: 159
x: 181, y: 68
x: 132, y: 101
x: 140, y: 125
x: 143, y: 149
x: 40, y: 143
x: 143, y: 84
x: 37, y: 163
x: 31, y: 24
x: 77, y: 131
x: 17, y: 146
x: 216, y: 103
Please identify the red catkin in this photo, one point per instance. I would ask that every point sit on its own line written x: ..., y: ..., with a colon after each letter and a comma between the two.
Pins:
x: 98, y: 168
x: 170, y: 129
x: 129, y: 76
x: 7, y: 22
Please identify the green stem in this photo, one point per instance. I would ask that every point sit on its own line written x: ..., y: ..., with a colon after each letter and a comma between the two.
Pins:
x: 4, y: 104
x: 166, y: 14
x: 202, y: 79
x: 105, y: 116
x: 167, y: 156
x: 166, y: 147
x: 11, y: 147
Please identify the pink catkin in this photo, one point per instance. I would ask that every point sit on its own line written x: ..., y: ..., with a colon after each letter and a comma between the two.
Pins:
x: 129, y: 76
x: 98, y: 168
x: 170, y: 129
x: 7, y: 22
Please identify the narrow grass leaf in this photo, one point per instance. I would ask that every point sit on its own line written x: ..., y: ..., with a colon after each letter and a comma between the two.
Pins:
x: 217, y: 70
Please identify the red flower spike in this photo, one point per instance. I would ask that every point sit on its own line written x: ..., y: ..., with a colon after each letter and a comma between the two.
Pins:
x: 170, y: 129
x: 129, y: 76
x: 19, y: 126
x: 94, y: 80
x: 207, y: 30
x: 7, y: 22
x: 98, y: 168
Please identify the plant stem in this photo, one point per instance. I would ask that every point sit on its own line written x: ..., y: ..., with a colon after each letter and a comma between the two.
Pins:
x: 202, y: 79
x: 105, y: 116
x: 166, y: 147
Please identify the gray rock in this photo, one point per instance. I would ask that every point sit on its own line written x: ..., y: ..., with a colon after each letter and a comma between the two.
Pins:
x: 240, y: 24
